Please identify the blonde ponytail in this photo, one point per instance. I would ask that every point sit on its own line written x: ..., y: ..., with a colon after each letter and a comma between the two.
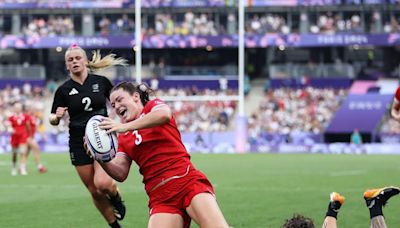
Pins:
x: 97, y: 63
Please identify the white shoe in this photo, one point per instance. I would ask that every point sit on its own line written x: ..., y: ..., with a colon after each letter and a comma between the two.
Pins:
x: 14, y: 172
x: 23, y: 172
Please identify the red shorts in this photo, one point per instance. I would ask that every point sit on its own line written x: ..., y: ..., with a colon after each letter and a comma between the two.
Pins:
x: 18, y: 139
x: 176, y: 195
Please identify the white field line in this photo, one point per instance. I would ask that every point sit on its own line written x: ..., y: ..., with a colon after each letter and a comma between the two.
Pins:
x: 348, y: 173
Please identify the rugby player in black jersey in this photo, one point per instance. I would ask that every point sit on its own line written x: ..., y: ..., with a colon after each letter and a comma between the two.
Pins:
x: 84, y: 95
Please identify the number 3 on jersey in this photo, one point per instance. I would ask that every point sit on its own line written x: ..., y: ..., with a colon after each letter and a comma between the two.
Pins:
x: 138, y: 137
x: 87, y: 102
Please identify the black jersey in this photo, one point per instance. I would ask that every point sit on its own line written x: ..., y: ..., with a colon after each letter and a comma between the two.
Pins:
x: 83, y: 101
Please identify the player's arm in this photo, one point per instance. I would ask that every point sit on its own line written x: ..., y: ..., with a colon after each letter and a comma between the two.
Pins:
x: 28, y: 127
x: 118, y: 168
x: 159, y: 115
x: 55, y: 117
x: 395, y: 110
x: 58, y: 108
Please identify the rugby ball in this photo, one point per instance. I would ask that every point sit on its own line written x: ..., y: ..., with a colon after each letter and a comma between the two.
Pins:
x: 102, y: 146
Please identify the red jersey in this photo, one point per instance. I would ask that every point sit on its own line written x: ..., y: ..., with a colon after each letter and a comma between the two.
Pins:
x: 19, y: 124
x: 398, y: 94
x: 158, y: 151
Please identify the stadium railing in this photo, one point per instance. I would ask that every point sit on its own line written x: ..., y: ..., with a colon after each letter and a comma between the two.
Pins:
x: 311, y: 70
x: 22, y: 72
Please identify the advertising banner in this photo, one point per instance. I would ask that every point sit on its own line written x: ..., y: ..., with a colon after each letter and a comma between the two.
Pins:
x: 362, y: 112
x: 192, y: 41
x: 28, y: 4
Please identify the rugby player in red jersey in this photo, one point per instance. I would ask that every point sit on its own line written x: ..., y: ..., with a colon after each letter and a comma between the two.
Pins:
x: 395, y: 110
x: 177, y: 191
x: 32, y: 144
x: 19, y: 137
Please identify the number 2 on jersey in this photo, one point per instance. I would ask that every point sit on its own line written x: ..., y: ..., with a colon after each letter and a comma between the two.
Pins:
x: 87, y: 102
x: 138, y: 139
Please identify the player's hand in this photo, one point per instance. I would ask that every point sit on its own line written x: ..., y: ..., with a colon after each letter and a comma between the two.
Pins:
x: 112, y: 126
x: 60, y: 112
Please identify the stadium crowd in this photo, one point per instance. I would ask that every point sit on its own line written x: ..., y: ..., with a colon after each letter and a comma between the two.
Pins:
x: 115, y: 25
x: 287, y: 110
x: 200, y: 23
x: 281, y: 110
x: 52, y: 26
x: 330, y: 23
x: 269, y: 23
x: 199, y: 116
x: 192, y: 24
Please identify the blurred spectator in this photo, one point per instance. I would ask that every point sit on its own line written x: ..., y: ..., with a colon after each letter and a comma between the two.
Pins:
x: 231, y: 27
x: 329, y: 23
x: 270, y: 23
x: 51, y: 27
x: 326, y: 24
x: 192, y: 24
x: 104, y: 25
x: 375, y: 23
x: 1, y: 24
x: 356, y: 138
x: 115, y: 25
x: 391, y: 26
x: 51, y: 86
x: 154, y: 83
x: 223, y: 83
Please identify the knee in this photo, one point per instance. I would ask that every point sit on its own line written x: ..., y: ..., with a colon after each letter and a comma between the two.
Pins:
x: 94, y: 192
x: 104, y: 186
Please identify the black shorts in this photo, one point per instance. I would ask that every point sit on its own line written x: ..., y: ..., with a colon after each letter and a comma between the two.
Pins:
x: 76, y: 150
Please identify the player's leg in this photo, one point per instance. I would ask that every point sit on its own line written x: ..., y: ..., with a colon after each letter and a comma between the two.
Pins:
x: 204, y: 210
x: 329, y: 222
x: 378, y: 222
x: 34, y: 146
x: 375, y: 200
x: 86, y: 173
x: 24, y: 157
x: 106, y: 185
x: 14, y: 154
x: 166, y: 220
x: 335, y: 202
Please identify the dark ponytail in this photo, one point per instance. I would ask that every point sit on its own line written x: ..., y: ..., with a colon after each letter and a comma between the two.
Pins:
x: 130, y: 87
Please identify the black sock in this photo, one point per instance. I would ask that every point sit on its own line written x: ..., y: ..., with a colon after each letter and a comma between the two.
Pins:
x: 116, y: 196
x: 376, y: 210
x: 115, y: 224
x: 331, y: 211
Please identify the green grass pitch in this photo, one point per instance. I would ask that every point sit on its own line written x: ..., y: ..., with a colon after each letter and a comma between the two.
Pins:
x: 253, y: 190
